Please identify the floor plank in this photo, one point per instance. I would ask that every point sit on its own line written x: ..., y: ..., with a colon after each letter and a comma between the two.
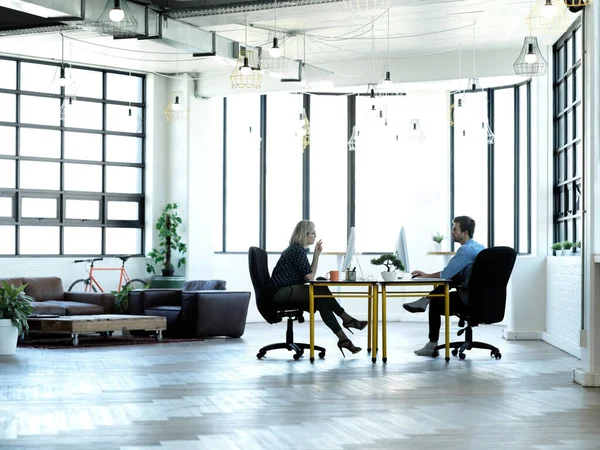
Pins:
x: 216, y: 394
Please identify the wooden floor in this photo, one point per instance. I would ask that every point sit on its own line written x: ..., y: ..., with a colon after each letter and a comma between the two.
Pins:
x: 215, y: 394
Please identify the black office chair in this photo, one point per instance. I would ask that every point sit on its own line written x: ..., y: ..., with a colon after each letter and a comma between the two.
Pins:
x: 487, y: 297
x: 272, y: 313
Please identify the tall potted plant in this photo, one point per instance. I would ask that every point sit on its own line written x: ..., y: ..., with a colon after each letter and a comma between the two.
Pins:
x: 168, y: 240
x: 15, y: 307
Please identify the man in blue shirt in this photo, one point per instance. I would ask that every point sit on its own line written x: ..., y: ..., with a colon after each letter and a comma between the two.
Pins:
x: 459, y: 271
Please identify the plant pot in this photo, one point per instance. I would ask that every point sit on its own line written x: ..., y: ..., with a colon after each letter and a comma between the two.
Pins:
x: 168, y: 272
x: 8, y: 337
x: 389, y: 276
x: 437, y: 246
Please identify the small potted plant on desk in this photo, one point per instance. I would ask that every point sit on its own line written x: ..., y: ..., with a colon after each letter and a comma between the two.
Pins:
x: 437, y: 239
x: 557, y: 247
x: 169, y: 240
x: 388, y: 260
x: 15, y: 307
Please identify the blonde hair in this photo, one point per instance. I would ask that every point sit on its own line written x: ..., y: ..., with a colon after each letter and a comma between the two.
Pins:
x: 300, y: 233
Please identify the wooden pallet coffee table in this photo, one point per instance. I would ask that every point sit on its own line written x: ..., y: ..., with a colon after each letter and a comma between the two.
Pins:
x: 104, y: 324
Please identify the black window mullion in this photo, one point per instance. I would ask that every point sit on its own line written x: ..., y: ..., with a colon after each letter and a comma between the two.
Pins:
x: 263, y: 174
x: 517, y: 166
x: 351, y: 211
x: 224, y: 204
x: 306, y: 165
x: 490, y: 168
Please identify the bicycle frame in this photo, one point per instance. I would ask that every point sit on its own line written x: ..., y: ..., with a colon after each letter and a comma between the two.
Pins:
x: 123, y: 278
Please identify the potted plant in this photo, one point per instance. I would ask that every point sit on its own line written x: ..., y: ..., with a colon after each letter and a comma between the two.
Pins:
x: 168, y: 240
x: 122, y: 298
x: 437, y: 239
x: 567, y: 245
x: 15, y: 307
x: 557, y: 247
x: 388, y: 260
x: 577, y: 247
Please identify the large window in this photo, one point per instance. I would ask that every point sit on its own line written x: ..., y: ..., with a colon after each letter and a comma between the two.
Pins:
x: 568, y: 132
x: 382, y: 180
x: 491, y: 164
x: 72, y: 159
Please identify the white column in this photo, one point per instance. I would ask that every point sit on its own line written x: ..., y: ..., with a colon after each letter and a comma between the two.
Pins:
x: 589, y: 372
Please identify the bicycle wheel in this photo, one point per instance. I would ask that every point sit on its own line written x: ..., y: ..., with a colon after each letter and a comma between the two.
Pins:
x: 136, y: 283
x: 82, y: 285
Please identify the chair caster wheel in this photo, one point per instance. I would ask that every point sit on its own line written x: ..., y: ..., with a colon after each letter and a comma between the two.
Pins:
x: 297, y: 356
x: 454, y: 352
x: 259, y: 355
x: 462, y: 356
x: 498, y: 355
x: 321, y: 355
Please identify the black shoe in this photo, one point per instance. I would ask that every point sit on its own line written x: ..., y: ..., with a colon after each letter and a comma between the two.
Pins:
x: 348, y: 345
x: 353, y: 323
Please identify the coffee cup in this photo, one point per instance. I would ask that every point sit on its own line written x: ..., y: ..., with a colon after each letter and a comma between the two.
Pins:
x: 333, y: 275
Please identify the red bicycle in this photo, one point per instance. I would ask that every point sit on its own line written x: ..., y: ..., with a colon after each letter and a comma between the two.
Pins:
x: 91, y: 284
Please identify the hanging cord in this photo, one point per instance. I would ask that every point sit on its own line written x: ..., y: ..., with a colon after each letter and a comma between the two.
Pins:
x: 62, y: 49
x: 388, y: 39
x: 474, y: 23
x: 275, y: 18
x: 373, y: 54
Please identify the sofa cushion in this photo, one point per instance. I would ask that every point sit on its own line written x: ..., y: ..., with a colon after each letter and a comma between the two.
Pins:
x: 48, y: 308
x: 77, y: 308
x: 16, y: 282
x: 204, y: 285
x: 44, y: 288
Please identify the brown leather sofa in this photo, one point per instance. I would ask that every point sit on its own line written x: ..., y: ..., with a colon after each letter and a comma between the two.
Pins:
x: 197, y: 313
x: 50, y: 297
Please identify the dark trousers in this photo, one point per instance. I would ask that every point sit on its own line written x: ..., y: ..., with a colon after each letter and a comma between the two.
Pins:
x: 296, y: 296
x: 437, y: 309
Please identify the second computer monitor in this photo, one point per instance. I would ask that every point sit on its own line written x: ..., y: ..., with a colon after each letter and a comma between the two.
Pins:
x: 349, y: 251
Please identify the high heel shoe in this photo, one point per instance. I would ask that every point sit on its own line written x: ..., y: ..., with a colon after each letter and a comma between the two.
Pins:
x: 353, y: 323
x: 348, y: 345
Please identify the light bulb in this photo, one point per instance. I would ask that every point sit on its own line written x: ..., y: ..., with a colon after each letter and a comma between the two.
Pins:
x: 116, y: 14
x: 275, y: 51
x: 176, y: 106
x: 548, y: 9
x: 530, y: 57
x: 245, y: 69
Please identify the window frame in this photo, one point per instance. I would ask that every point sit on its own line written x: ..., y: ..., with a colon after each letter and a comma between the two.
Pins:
x: 61, y: 195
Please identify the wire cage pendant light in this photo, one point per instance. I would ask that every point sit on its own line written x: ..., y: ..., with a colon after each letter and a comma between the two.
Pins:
x: 246, y: 73
x: 530, y: 60
x: 577, y: 5
x: 548, y: 16
x: 176, y: 110
x: 107, y: 23
x: 415, y: 134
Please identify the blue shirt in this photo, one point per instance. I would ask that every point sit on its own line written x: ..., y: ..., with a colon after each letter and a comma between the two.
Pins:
x: 459, y: 267
x: 291, y: 267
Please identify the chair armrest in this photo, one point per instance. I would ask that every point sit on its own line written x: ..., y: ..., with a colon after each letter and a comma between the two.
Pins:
x: 104, y: 299
x: 142, y: 299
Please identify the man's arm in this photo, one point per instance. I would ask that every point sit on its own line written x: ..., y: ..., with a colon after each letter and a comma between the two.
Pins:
x: 419, y: 273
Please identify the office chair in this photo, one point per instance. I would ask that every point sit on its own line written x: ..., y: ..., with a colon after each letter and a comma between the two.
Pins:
x: 274, y: 313
x: 487, y: 297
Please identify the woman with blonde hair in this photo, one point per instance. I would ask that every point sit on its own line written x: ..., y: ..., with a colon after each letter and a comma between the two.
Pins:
x: 292, y: 272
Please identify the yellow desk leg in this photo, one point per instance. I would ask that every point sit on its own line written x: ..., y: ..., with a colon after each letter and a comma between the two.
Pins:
x: 370, y: 319
x: 375, y: 323
x: 447, y: 319
x: 311, y: 312
x: 384, y: 323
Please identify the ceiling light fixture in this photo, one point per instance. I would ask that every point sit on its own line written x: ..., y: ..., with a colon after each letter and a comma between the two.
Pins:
x: 548, y: 16
x: 275, y: 51
x: 415, y: 134
x: 117, y: 20
x: 116, y: 14
x: 245, y: 75
x: 530, y: 61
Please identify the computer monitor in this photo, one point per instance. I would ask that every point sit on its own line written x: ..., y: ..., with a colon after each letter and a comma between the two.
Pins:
x: 349, y: 251
x: 402, y: 250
